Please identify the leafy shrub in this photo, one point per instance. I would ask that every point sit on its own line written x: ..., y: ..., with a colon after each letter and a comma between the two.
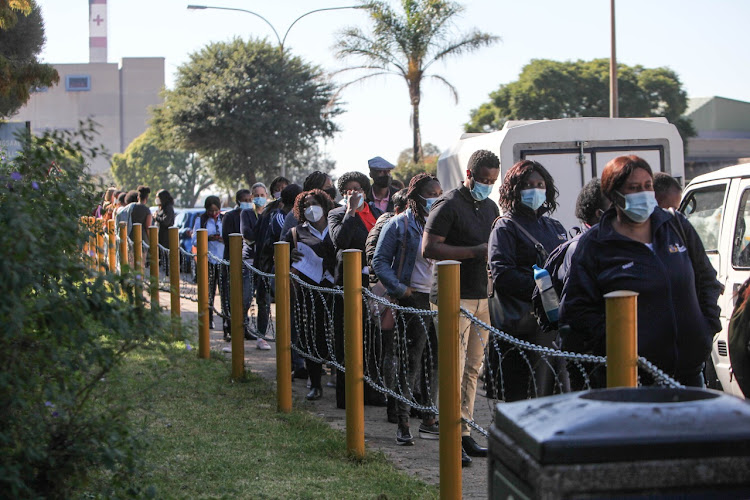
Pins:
x: 63, y: 329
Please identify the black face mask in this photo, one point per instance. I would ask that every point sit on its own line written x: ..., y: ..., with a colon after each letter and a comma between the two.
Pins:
x: 382, y: 181
x: 331, y: 191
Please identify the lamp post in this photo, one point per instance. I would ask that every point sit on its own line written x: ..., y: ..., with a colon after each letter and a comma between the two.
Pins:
x: 280, y: 40
x: 613, y: 94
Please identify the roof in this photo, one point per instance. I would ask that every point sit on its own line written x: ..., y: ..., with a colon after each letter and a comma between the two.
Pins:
x: 718, y: 113
x: 742, y: 170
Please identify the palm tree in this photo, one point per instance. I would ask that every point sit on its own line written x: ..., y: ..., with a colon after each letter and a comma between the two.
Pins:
x: 407, y: 44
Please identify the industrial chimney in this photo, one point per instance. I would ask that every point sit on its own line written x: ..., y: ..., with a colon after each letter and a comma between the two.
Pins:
x: 97, y: 31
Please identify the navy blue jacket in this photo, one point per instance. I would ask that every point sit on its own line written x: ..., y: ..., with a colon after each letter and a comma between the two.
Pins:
x: 248, y: 228
x: 511, y: 253
x: 230, y: 224
x: 677, y: 302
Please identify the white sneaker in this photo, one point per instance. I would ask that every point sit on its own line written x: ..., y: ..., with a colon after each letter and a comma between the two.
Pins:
x: 263, y: 345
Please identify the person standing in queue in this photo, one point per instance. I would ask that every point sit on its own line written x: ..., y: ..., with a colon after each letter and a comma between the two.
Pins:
x: 231, y: 225
x: 458, y: 228
x: 522, y: 238
x: 637, y: 246
x: 380, y: 196
x: 348, y: 226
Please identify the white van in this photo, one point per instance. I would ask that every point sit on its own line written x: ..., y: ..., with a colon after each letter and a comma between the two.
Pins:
x: 573, y: 150
x: 718, y: 206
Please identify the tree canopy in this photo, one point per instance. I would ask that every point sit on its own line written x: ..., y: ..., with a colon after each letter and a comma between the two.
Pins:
x: 150, y: 161
x: 548, y: 89
x: 406, y: 168
x: 249, y: 105
x: 21, y: 40
x: 406, y: 44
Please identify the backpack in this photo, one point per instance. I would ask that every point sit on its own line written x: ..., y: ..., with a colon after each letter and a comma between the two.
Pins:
x: 554, y: 262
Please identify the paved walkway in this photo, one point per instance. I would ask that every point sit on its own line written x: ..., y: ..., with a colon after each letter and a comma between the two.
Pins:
x: 420, y: 460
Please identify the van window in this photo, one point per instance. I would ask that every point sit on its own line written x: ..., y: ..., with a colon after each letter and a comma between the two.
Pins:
x: 704, y: 209
x: 741, y: 240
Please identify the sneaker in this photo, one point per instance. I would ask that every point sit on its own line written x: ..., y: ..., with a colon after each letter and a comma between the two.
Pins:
x: 429, y: 431
x: 403, y: 436
x: 263, y: 345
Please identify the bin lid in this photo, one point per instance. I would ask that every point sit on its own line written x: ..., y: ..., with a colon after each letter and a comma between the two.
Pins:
x: 627, y: 424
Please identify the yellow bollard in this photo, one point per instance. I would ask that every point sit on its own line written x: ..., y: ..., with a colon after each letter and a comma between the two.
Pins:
x: 174, y: 276
x: 235, y: 305
x: 202, y: 269
x: 123, y: 246
x: 138, y: 263
x: 355, y: 384
x: 99, y: 227
x: 622, y: 338
x: 283, y: 328
x: 112, y: 247
x: 449, y: 380
x: 153, y: 238
x: 92, y: 243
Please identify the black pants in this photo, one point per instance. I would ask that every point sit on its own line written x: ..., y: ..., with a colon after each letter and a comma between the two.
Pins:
x: 405, y: 351
x: 312, y: 314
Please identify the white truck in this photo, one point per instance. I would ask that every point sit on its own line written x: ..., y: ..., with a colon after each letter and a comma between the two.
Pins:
x: 717, y: 204
x: 574, y: 150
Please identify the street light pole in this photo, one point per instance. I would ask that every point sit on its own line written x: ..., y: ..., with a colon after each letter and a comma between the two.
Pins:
x: 613, y: 96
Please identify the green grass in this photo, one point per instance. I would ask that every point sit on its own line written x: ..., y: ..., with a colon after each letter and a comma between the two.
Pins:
x: 212, y: 438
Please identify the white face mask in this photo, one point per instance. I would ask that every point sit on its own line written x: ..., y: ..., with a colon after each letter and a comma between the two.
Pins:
x: 314, y: 213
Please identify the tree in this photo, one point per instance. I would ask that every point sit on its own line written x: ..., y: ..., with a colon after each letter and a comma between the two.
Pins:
x: 406, y: 168
x: 551, y: 89
x: 407, y: 44
x: 150, y: 161
x: 21, y: 40
x: 249, y: 104
x: 307, y: 162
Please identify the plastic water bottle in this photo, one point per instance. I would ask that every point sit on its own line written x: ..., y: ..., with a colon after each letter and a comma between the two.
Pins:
x: 550, y: 300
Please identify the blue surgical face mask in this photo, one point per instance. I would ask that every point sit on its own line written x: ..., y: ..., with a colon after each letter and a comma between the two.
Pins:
x: 533, y: 198
x: 246, y: 205
x: 480, y: 191
x: 260, y: 201
x: 428, y: 202
x: 639, y: 206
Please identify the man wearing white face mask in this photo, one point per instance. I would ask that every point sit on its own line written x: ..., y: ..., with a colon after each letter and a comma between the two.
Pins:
x: 637, y: 246
x: 231, y: 225
x: 458, y: 228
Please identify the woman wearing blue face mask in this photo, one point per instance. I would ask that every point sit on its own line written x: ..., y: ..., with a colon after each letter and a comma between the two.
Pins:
x: 407, y: 276
x: 637, y: 246
x: 521, y: 238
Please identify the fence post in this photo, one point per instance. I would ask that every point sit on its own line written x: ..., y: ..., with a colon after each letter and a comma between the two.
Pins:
x: 153, y: 249
x: 235, y: 305
x: 138, y: 263
x: 93, y: 258
x: 174, y: 276
x: 449, y: 388
x: 123, y: 246
x: 622, y: 338
x: 355, y: 415
x: 112, y: 246
x: 202, y: 271
x: 283, y: 328
x: 99, y: 227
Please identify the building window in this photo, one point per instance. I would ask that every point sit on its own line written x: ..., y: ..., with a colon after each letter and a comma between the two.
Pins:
x: 75, y: 83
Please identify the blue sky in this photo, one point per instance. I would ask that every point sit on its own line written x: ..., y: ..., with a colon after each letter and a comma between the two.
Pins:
x: 704, y: 42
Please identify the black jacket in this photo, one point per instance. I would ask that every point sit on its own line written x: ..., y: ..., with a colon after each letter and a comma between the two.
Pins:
x: 230, y: 224
x: 347, y: 232
x: 677, y: 302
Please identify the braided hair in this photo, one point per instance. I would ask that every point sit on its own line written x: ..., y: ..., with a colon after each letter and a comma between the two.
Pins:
x: 416, y: 203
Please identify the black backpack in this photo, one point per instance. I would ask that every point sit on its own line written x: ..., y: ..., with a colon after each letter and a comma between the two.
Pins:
x: 553, y: 264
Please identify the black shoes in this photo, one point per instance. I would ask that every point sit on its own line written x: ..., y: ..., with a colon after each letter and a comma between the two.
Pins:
x: 403, y: 436
x: 465, y: 460
x: 300, y: 372
x: 472, y: 448
x: 314, y: 394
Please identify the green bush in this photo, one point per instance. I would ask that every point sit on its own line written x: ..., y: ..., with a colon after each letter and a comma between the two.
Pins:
x: 64, y: 328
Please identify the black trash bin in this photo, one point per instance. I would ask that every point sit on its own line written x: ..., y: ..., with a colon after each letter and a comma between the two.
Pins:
x: 622, y: 443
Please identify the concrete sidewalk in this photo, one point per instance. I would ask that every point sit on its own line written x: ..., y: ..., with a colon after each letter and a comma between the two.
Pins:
x: 420, y: 460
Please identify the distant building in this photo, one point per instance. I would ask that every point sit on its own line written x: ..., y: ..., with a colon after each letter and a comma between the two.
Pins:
x: 723, y: 127
x: 117, y: 97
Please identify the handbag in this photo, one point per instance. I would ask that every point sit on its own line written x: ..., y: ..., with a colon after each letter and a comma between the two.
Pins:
x: 377, y: 311
x: 509, y: 313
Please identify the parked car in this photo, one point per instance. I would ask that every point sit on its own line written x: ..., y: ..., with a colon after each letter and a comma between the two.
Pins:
x: 717, y: 204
